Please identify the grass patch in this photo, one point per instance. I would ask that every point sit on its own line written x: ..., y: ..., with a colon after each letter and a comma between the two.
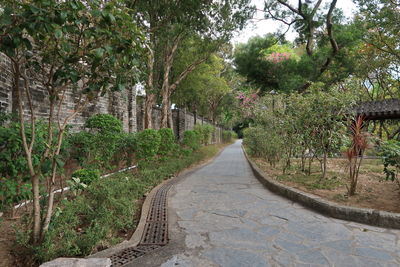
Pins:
x: 311, y: 181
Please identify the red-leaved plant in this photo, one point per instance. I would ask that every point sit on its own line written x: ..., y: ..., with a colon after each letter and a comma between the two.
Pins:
x: 355, y: 153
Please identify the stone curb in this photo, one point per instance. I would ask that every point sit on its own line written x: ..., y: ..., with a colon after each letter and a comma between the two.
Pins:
x: 360, y: 215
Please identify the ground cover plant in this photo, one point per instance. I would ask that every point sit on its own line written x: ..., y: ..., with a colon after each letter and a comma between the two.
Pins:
x: 99, y: 210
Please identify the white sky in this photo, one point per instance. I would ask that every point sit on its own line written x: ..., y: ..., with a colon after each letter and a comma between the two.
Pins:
x: 260, y: 26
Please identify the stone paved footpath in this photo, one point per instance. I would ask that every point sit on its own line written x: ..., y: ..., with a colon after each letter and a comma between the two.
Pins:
x: 220, y: 215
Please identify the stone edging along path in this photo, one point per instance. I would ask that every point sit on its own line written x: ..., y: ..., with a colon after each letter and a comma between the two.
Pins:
x: 360, y: 215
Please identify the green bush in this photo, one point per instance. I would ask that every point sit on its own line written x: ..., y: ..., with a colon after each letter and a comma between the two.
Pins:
x: 13, y: 191
x: 167, y: 145
x: 97, y: 148
x: 148, y: 143
x: 390, y: 152
x: 127, y: 146
x: 86, y: 176
x: 80, y: 146
x: 263, y: 143
x: 14, y: 173
x: 191, y: 139
x: 228, y: 136
x: 205, y: 132
x: 104, y: 123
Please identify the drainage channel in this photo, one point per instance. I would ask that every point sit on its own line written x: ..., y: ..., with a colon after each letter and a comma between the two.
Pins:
x: 155, y: 234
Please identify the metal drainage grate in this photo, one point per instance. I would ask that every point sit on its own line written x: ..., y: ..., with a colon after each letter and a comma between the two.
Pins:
x: 125, y: 256
x: 155, y: 234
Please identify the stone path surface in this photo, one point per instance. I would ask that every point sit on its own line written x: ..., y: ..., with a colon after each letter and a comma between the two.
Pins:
x: 220, y: 215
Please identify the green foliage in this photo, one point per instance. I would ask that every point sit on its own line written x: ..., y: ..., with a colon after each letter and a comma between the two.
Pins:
x: 203, y: 89
x: 167, y: 144
x: 205, y: 133
x: 14, y: 172
x: 148, y: 144
x: 228, y: 136
x: 12, y: 156
x: 262, y: 142
x: 390, y: 151
x: 127, y: 146
x: 191, y: 139
x: 104, y: 124
x: 271, y: 63
x: 86, y: 176
x: 12, y: 192
x: 4, y: 117
x: 98, y: 148
x: 80, y: 148
x: 293, y: 125
x: 93, y: 220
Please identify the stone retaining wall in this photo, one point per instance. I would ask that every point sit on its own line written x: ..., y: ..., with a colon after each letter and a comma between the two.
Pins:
x: 120, y: 104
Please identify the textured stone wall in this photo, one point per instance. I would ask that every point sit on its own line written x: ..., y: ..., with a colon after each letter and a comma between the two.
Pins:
x: 119, y: 104
x: 182, y: 121
x: 5, y: 85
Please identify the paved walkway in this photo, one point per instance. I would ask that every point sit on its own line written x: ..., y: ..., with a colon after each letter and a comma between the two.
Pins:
x: 221, y: 215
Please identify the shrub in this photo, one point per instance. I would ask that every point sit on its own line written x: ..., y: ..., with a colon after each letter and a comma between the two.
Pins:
x: 127, y: 146
x: 167, y: 144
x: 98, y: 147
x: 104, y: 123
x: 262, y: 143
x: 13, y: 191
x: 390, y: 152
x: 80, y: 144
x: 205, y: 132
x: 14, y: 173
x: 86, y: 176
x: 148, y: 143
x: 191, y: 139
x: 228, y: 136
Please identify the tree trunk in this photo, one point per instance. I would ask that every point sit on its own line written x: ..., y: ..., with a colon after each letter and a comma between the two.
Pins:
x: 148, y: 110
x: 28, y: 148
x: 324, y: 166
x: 309, y: 165
x: 165, y: 107
x: 52, y: 187
x: 170, y: 119
x: 36, y: 209
x: 303, y: 161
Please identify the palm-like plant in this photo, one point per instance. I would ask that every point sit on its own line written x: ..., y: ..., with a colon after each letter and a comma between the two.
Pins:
x: 359, y: 143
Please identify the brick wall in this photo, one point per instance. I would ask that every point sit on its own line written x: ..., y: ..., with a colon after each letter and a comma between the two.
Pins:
x: 119, y: 104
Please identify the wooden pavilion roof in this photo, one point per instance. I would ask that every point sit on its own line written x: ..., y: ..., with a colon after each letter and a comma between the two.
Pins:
x: 379, y: 109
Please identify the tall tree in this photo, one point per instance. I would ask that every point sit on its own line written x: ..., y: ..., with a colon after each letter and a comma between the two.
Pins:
x: 204, y: 89
x: 170, y: 23
x: 312, y: 23
x: 89, y: 47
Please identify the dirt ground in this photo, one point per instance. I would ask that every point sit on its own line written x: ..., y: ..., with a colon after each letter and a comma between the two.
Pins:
x: 373, y: 191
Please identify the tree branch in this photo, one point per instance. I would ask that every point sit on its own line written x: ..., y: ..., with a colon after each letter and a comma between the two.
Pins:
x: 334, y: 45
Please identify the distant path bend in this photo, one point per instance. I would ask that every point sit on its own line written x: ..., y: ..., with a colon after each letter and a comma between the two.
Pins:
x: 220, y: 215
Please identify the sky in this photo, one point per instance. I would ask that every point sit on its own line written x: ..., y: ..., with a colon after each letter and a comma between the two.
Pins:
x: 260, y: 26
